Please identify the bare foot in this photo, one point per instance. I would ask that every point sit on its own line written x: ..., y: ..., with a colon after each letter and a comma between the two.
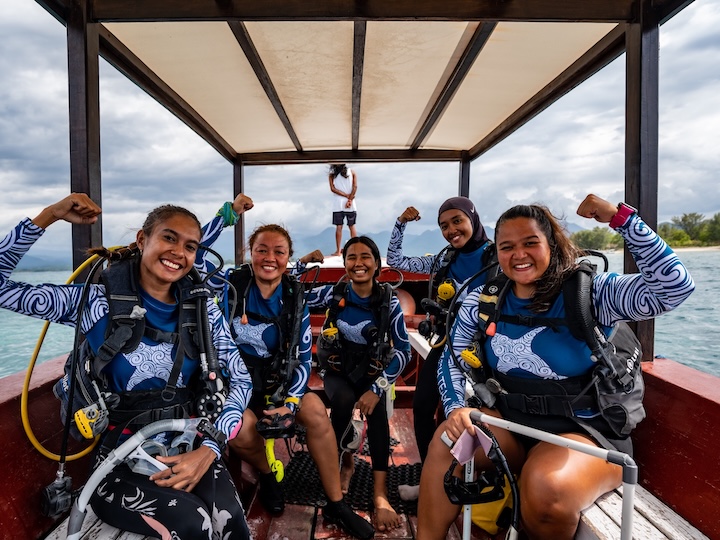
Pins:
x: 385, y: 516
x: 347, y: 469
x: 336, y: 254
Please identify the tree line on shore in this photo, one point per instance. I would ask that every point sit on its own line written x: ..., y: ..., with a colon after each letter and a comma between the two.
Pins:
x: 689, y: 230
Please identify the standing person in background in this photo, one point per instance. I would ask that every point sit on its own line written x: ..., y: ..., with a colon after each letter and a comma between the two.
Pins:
x: 343, y: 184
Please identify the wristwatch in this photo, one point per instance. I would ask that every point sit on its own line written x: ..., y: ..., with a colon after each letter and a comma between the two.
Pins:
x: 382, y: 383
x: 623, y: 214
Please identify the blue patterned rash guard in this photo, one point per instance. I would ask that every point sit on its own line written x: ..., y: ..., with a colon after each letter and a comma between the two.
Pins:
x: 353, y: 318
x: 147, y: 367
x: 541, y: 353
x: 260, y: 338
x: 462, y: 268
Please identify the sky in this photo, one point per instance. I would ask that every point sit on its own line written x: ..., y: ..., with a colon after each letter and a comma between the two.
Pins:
x: 574, y: 147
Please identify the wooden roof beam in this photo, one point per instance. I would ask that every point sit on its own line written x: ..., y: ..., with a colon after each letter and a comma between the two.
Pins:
x: 477, y: 42
x: 343, y: 156
x: 360, y: 32
x: 600, y: 55
x: 248, y: 47
x: 411, y: 10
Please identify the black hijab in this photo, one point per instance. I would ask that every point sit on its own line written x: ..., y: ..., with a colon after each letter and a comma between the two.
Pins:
x: 467, y: 207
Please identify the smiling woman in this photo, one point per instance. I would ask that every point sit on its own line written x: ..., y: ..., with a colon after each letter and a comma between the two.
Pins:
x: 135, y: 356
x: 363, y: 349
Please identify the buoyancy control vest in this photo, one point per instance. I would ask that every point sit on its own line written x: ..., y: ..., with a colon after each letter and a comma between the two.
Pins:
x: 614, y: 387
x: 126, y: 326
x: 442, y: 290
x: 274, y: 374
x: 352, y: 359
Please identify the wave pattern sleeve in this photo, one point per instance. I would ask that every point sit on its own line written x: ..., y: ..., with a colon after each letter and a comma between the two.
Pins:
x: 301, y: 375
x: 210, y: 233
x: 240, y: 381
x: 396, y: 259
x: 319, y: 297
x: 54, y: 303
x: 451, y: 376
x: 401, y: 342
x: 661, y: 285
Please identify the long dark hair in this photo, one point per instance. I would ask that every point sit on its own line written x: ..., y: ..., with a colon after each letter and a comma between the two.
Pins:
x: 366, y: 240
x: 338, y: 168
x: 563, y: 253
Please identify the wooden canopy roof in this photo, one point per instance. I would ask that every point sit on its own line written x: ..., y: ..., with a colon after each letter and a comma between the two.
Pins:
x: 281, y: 81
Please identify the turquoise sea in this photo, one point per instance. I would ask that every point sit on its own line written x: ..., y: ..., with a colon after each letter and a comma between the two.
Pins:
x: 686, y: 335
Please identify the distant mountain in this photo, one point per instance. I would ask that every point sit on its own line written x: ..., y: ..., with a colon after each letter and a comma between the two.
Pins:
x: 49, y: 261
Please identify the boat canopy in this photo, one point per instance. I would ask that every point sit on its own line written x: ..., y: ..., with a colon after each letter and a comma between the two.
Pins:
x: 287, y: 81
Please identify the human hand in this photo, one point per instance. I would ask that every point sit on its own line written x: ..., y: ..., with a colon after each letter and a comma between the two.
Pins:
x: 594, y: 207
x: 242, y: 203
x: 457, y: 422
x: 185, y: 470
x: 410, y: 214
x: 75, y: 208
x: 313, y: 256
x: 348, y: 204
x: 366, y: 403
x: 282, y: 411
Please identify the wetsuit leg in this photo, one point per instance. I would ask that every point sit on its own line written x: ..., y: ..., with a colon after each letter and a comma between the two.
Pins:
x: 425, y: 402
x: 342, y: 399
x: 378, y: 434
x: 132, y: 502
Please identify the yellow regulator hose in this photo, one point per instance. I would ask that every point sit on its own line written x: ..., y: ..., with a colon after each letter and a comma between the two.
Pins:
x: 26, y: 386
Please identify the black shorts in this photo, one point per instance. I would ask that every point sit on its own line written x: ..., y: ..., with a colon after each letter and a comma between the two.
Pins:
x: 338, y: 218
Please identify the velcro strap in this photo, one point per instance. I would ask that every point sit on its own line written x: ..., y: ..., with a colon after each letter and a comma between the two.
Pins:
x: 552, y: 405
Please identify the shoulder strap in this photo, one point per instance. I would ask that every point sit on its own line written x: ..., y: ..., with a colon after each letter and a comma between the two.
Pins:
x: 490, y: 261
x: 383, y: 311
x: 292, y: 309
x: 336, y: 303
x: 290, y: 325
x: 240, y: 278
x: 449, y: 254
x: 577, y: 294
x: 126, y: 315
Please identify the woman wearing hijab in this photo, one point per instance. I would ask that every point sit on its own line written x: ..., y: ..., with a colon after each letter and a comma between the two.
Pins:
x: 468, y: 251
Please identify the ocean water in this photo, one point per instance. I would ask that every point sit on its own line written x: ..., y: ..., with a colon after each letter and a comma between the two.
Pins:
x: 686, y: 335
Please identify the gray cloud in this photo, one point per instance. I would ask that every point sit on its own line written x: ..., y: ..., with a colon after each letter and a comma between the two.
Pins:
x: 575, y: 146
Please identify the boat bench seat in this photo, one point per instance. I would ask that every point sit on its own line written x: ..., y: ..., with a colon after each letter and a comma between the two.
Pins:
x: 652, y: 520
x: 93, y: 529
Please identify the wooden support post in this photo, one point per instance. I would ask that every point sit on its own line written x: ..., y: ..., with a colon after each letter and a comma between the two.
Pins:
x: 238, y: 187
x: 464, y: 181
x: 641, y: 137
x: 84, y: 104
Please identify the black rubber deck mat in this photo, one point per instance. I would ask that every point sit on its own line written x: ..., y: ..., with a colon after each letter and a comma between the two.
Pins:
x: 302, y: 484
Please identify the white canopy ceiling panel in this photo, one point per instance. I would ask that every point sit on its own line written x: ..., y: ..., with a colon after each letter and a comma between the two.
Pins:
x: 406, y: 66
x: 518, y: 61
x: 310, y: 64
x: 204, y: 64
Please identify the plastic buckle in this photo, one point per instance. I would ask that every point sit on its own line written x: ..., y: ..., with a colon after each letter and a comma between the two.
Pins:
x: 276, y: 426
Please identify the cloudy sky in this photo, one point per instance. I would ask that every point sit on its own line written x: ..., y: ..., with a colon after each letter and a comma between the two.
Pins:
x: 575, y: 146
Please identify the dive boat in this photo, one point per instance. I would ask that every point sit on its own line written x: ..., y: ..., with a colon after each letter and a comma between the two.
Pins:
x: 419, y: 81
